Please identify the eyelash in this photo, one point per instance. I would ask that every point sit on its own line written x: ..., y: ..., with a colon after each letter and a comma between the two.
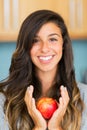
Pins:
x: 53, y: 39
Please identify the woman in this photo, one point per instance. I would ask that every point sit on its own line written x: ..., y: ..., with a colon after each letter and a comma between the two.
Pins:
x: 42, y: 65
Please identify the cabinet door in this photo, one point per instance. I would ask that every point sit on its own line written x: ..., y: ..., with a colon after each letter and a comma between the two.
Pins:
x: 75, y: 16
x: 9, y: 20
x: 78, y: 19
x: 13, y: 12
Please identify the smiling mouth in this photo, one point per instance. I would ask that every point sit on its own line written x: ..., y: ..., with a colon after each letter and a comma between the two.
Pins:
x: 45, y: 58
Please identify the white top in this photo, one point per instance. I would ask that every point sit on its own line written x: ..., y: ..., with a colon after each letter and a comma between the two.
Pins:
x: 83, y: 90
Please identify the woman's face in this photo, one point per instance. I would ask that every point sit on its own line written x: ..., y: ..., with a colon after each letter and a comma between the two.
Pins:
x: 46, y: 51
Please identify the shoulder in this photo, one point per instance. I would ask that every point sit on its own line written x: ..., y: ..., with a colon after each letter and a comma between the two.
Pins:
x: 2, y: 99
x: 82, y: 86
x: 3, y: 121
x: 83, y: 91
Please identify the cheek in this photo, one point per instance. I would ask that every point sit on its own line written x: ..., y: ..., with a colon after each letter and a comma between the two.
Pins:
x: 59, y: 49
x: 33, y: 51
x: 32, y: 55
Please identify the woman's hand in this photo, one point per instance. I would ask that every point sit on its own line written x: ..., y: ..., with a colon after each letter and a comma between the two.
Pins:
x: 55, y: 122
x: 39, y: 121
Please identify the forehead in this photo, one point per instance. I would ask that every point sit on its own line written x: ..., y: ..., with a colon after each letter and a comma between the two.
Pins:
x: 49, y: 27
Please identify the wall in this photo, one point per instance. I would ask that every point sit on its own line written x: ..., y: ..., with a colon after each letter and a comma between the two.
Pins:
x: 6, y: 50
x: 80, y: 61
x: 80, y: 55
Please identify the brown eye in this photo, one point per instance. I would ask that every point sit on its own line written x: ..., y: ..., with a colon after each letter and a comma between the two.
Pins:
x: 53, y: 39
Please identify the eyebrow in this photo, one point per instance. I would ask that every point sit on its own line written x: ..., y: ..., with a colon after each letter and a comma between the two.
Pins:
x: 54, y: 34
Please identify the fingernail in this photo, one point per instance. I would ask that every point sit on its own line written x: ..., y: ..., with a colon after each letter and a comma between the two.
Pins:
x: 62, y: 86
x: 29, y: 87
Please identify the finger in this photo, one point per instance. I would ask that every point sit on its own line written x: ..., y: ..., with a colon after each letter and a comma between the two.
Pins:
x: 61, y: 102
x: 33, y: 103
x: 28, y: 95
x: 64, y: 95
x: 67, y: 95
x: 30, y: 90
x: 62, y: 106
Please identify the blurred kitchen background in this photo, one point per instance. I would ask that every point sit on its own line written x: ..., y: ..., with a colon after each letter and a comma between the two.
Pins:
x: 74, y: 12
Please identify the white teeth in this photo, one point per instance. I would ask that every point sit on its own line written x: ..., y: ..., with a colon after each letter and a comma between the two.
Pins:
x: 45, y: 58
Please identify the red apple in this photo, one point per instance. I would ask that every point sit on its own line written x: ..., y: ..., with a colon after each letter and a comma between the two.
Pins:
x: 47, y: 106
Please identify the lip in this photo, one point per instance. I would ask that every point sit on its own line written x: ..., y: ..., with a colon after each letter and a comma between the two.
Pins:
x: 45, y: 59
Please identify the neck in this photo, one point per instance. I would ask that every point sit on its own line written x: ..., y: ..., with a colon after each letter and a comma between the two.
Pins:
x: 47, y: 80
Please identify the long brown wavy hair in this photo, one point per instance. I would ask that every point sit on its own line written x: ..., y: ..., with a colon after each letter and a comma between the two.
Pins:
x: 22, y: 74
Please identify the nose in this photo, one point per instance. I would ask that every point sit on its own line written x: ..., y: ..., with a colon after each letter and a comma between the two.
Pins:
x: 45, y: 47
